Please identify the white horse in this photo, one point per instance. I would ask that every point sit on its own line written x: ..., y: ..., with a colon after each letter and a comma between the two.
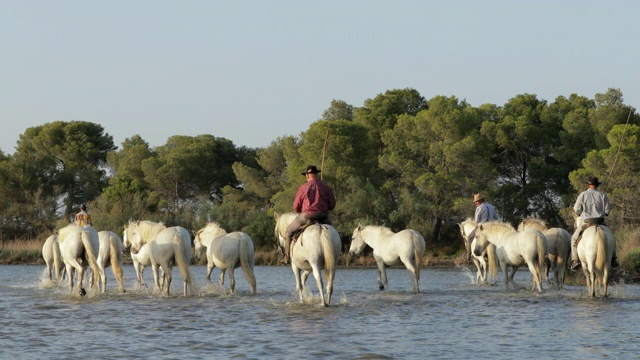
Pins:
x: 51, y: 255
x: 595, y: 250
x: 140, y: 259
x: 389, y: 248
x: 167, y: 246
x: 513, y: 248
x: 226, y: 251
x: 486, y: 263
x: 110, y: 254
x: 79, y: 247
x: 559, y: 255
x: 317, y: 249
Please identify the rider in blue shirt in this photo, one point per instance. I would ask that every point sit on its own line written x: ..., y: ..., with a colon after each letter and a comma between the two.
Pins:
x: 592, y: 206
x: 485, y: 212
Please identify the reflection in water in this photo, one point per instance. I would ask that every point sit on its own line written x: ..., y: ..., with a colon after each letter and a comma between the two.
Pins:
x: 451, y: 318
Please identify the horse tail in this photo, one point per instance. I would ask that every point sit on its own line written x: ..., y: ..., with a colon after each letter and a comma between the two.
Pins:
x: 247, y: 260
x: 492, y: 261
x: 181, y: 259
x: 543, y: 250
x: 115, y: 255
x: 55, y: 249
x: 601, y: 249
x: 418, y: 251
x: 89, y: 251
x: 330, y: 259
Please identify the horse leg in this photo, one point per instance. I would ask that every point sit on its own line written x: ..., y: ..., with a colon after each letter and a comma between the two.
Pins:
x: 210, y: 267
x: 382, y: 276
x: 156, y: 276
x: 49, y: 272
x: 70, y: 271
x: 232, y: 281
x: 296, y: 274
x: 414, y: 276
x: 221, y: 279
x: 103, y: 277
x: 605, y: 281
x: 479, y: 276
x: 305, y: 276
x: 81, y: 271
x: 140, y: 275
x: 167, y: 275
x: 535, y: 275
x: 318, y: 275
x: 505, y: 272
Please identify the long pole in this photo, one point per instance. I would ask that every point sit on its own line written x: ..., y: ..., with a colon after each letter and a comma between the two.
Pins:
x: 324, y: 151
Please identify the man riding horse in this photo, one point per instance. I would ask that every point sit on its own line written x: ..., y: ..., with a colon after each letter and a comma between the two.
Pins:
x: 313, y: 202
x: 592, y: 206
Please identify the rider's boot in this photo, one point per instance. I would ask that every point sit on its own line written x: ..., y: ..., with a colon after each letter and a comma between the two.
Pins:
x: 285, y: 256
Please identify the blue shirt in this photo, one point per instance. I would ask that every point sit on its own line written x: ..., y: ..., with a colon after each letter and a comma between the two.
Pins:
x: 485, y: 212
x: 592, y: 204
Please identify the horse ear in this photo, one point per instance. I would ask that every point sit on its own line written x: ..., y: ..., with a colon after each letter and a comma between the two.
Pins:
x: 276, y: 216
x: 480, y: 227
x: 55, y: 231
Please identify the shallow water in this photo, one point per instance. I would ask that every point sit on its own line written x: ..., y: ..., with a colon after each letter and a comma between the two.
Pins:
x: 450, y: 319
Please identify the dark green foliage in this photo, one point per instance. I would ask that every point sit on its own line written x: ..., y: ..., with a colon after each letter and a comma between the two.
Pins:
x: 399, y: 160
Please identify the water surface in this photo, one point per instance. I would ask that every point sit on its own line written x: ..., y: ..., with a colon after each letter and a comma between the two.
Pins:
x: 450, y: 319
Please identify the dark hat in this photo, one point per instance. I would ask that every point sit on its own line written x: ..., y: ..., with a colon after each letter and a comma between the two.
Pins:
x: 311, y: 169
x: 593, y: 181
x: 83, y: 207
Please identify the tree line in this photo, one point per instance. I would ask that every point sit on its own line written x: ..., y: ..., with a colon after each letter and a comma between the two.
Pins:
x: 399, y: 160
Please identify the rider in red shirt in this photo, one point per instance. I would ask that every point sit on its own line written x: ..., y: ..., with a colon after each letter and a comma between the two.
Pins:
x: 313, y: 202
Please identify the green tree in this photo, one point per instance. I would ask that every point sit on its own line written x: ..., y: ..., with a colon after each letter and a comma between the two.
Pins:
x: 339, y: 110
x: 434, y: 162
x: 524, y: 141
x: 381, y: 113
x: 64, y: 160
x: 617, y: 167
x: 187, y: 167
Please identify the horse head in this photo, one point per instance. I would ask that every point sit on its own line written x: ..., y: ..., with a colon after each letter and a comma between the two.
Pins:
x: 357, y: 241
x: 199, y: 248
x: 481, y: 241
x: 466, y: 227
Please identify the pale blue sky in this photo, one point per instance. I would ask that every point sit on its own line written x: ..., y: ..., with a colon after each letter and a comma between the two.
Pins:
x: 252, y: 71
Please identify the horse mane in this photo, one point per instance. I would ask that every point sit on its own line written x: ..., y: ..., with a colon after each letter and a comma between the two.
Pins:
x: 148, y: 229
x: 469, y: 221
x: 533, y: 223
x: 497, y: 226
x: 383, y: 230
x: 283, y: 222
x: 213, y: 227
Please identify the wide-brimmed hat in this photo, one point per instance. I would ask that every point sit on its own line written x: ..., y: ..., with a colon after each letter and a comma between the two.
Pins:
x: 477, y: 197
x: 593, y: 181
x: 311, y: 169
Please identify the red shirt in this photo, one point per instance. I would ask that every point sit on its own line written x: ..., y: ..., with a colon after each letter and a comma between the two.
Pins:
x: 314, y: 197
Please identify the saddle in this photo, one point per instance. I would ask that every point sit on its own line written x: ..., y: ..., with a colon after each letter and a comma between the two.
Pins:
x: 585, y: 228
x: 300, y: 230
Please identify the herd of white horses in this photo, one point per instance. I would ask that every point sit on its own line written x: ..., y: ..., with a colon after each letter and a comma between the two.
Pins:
x: 497, y: 245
